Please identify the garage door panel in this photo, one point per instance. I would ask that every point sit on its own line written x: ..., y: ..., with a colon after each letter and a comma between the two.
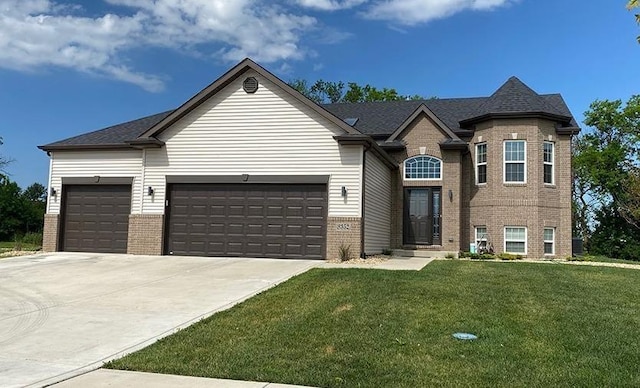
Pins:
x: 260, y: 220
x: 95, y: 218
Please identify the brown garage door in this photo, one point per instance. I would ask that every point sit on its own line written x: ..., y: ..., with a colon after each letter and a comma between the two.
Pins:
x: 96, y: 218
x: 252, y: 220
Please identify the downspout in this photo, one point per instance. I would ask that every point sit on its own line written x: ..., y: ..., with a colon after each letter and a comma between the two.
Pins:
x: 362, y: 217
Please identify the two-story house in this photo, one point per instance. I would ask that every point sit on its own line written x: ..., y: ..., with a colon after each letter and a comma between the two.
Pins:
x: 250, y: 167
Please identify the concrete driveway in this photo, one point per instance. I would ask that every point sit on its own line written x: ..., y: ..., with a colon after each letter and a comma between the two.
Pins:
x: 63, y: 314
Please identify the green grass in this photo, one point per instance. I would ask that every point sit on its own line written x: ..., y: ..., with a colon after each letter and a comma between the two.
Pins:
x: 538, y: 325
x: 6, y: 246
x: 603, y: 259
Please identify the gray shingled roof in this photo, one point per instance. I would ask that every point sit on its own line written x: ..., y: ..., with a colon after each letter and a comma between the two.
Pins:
x: 377, y: 119
x: 115, y: 134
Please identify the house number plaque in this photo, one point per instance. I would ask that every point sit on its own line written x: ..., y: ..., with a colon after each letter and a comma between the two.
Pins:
x: 343, y: 227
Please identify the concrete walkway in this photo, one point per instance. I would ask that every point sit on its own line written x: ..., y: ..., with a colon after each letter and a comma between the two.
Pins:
x: 103, y: 378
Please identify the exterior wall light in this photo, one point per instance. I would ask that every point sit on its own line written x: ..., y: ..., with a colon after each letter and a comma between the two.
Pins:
x: 150, y: 190
x: 344, y: 191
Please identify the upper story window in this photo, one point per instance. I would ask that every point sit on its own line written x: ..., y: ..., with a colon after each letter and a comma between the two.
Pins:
x: 481, y: 163
x: 515, y: 161
x: 423, y: 167
x: 547, y: 164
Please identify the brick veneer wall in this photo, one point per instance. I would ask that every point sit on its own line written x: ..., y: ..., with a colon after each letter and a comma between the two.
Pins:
x: 50, y: 232
x: 145, y: 234
x: 425, y: 133
x: 338, y: 236
x: 533, y: 204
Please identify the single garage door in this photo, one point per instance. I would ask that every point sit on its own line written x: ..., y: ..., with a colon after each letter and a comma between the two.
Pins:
x: 251, y: 220
x: 96, y: 218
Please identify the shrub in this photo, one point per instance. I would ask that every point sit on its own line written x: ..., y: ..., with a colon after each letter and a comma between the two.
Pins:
x: 387, y: 252
x: 344, y: 252
x: 509, y: 256
x: 487, y: 256
x: 32, y: 238
x: 464, y: 254
x: 450, y: 255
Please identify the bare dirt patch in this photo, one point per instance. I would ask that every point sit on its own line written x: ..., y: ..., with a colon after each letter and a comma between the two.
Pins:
x: 344, y: 307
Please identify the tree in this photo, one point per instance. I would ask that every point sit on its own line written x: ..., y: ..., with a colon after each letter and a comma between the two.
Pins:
x: 630, y: 6
x: 324, y: 92
x: 35, y: 203
x: 11, y: 208
x: 607, y: 172
x: 4, y: 161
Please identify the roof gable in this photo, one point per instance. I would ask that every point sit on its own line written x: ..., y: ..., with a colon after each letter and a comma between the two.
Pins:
x: 423, y: 110
x: 230, y: 76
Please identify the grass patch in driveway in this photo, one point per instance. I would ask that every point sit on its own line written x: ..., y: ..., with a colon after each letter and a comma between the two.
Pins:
x: 538, y: 325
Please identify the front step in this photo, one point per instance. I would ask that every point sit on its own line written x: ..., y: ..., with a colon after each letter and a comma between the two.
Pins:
x: 421, y: 253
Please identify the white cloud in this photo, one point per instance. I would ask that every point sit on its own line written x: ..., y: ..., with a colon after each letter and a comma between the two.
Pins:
x: 41, y: 33
x: 330, y: 5
x: 412, y: 12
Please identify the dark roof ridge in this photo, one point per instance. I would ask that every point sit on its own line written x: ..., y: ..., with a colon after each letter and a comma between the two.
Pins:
x: 515, y: 97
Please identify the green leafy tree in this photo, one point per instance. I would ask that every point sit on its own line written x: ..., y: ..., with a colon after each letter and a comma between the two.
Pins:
x: 324, y: 92
x: 11, y: 208
x: 35, y: 203
x: 607, y: 171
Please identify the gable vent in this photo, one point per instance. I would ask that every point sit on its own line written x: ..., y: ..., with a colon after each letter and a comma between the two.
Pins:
x: 250, y: 85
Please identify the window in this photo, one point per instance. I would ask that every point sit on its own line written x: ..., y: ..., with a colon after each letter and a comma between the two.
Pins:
x: 549, y: 241
x: 423, y: 167
x: 481, y: 163
x: 481, y: 238
x: 515, y: 156
x: 548, y: 162
x: 515, y: 239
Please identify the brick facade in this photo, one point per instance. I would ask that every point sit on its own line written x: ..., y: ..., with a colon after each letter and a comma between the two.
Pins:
x: 533, y: 204
x: 422, y: 138
x: 50, y: 232
x: 145, y: 234
x: 496, y: 204
x: 343, y: 231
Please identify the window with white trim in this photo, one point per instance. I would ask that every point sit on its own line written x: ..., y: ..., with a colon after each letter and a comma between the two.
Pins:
x: 423, y: 168
x: 547, y: 162
x: 481, y: 238
x: 515, y: 239
x: 481, y: 163
x: 515, y: 161
x: 549, y: 241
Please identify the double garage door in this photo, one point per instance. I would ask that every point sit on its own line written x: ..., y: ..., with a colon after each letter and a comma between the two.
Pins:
x: 253, y: 220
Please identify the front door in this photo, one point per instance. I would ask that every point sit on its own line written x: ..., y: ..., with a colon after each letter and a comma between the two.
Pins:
x: 422, y: 215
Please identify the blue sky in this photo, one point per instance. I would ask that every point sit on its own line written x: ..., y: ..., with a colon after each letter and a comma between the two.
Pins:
x: 69, y: 67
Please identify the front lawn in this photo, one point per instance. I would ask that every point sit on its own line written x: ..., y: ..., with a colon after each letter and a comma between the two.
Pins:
x: 538, y: 325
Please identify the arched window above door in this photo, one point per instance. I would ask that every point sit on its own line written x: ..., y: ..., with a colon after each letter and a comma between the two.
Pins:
x: 423, y: 168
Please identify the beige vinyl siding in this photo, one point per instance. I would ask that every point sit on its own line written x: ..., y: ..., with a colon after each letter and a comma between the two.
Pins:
x: 266, y: 133
x: 112, y: 163
x: 377, y: 205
